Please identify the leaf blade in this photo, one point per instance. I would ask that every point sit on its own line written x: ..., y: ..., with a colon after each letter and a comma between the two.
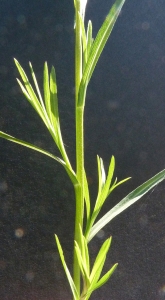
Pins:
x: 86, y: 196
x: 127, y: 201
x: 70, y: 172
x: 97, y: 48
x: 105, y: 277
x: 69, y: 277
x: 99, y: 261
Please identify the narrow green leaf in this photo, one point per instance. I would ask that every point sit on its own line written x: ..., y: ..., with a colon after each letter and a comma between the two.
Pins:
x: 32, y: 97
x: 29, y: 145
x: 104, y: 186
x: 69, y: 277
x: 37, y: 87
x: 103, y: 175
x: 80, y: 260
x: 54, y: 116
x: 86, y: 255
x: 117, y: 184
x: 97, y: 48
x: 45, y: 111
x: 82, y: 264
x: 33, y: 100
x: 81, y: 244
x: 46, y: 89
x: 35, y: 105
x: 53, y: 95
x: 97, y: 268
x: 51, y: 102
x: 27, y: 84
x: 84, y: 250
x: 102, y: 37
x: 89, y: 37
x: 131, y: 198
x: 49, y: 116
x: 84, y: 40
x: 54, y: 113
x: 86, y: 196
x: 101, y: 180
x: 70, y: 172
x: 99, y: 262
x: 105, y: 278
x: 106, y: 183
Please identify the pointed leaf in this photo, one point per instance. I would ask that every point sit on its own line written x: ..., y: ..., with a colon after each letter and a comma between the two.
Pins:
x: 51, y: 102
x: 101, y: 174
x: 131, y: 198
x: 84, y: 40
x: 54, y: 113
x: 117, y: 184
x: 69, y: 277
x: 104, y: 186
x: 49, y: 116
x: 84, y: 250
x: 70, y: 172
x: 31, y: 96
x: 86, y: 196
x: 34, y: 102
x: 30, y: 91
x: 89, y: 37
x: 37, y: 87
x: 99, y: 262
x: 46, y: 89
x: 106, y: 183
x: 105, y: 278
x: 97, y: 48
x: 54, y: 98
x: 82, y: 264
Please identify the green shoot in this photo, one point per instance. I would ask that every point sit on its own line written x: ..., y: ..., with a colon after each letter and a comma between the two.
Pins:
x: 83, y: 279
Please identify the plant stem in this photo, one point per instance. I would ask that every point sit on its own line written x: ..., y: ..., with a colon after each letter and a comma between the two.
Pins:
x: 79, y: 191
x: 78, y: 52
x: 79, y: 112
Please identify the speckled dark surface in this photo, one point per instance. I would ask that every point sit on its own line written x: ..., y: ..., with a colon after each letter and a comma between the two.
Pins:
x: 125, y: 116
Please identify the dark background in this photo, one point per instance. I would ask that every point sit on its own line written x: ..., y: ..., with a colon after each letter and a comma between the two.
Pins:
x: 125, y: 116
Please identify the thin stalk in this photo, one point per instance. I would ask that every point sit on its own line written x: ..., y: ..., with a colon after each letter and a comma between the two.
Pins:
x: 79, y: 191
x: 78, y: 51
x: 79, y: 145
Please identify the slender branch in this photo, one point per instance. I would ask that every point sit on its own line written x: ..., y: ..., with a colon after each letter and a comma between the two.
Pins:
x: 79, y: 143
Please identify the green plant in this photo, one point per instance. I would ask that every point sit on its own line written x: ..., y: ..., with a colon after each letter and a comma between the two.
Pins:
x: 87, y: 53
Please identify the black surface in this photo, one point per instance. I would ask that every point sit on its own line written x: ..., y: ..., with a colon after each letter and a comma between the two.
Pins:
x: 125, y: 116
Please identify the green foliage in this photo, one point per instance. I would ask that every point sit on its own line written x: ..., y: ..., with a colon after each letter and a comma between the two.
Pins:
x: 87, y: 53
